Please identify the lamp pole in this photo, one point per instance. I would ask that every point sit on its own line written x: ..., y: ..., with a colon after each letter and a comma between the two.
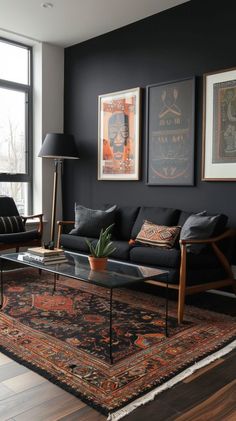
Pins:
x: 57, y: 165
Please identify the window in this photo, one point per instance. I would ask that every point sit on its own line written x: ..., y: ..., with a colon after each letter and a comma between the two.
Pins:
x: 16, y: 123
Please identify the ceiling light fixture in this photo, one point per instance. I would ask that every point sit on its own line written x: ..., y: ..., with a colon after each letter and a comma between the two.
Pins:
x: 47, y: 5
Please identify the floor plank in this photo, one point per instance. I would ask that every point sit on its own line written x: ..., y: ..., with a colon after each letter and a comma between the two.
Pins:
x: 203, y: 370
x: 24, y: 381
x: 4, y: 359
x: 22, y: 402
x: 220, y: 406
x: 53, y: 409
x: 5, y: 392
x: 84, y: 414
x: 10, y: 370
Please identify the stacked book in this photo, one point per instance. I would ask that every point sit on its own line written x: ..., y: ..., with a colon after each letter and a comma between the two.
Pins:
x: 45, y: 256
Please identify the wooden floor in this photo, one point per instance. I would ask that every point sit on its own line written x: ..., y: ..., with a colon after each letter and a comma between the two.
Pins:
x: 207, y: 395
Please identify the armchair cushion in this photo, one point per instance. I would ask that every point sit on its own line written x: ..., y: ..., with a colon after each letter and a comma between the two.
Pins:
x: 8, y: 206
x: 11, y: 224
x: 19, y: 237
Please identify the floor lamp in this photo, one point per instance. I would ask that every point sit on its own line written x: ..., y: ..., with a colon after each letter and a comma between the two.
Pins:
x: 57, y: 146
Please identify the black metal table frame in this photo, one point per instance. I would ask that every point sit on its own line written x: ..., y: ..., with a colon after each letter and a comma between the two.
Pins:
x: 56, y: 277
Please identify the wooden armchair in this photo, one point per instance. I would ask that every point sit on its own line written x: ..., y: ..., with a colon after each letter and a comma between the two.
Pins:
x: 31, y: 238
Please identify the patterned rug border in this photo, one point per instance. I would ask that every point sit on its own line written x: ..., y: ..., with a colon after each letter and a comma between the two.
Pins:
x: 150, y: 396
x: 112, y: 416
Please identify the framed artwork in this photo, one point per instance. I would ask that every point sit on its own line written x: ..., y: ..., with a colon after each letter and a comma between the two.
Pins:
x: 219, y: 126
x: 170, y: 133
x: 119, y: 135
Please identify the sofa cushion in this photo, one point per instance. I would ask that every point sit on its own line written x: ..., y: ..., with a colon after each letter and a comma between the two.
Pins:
x: 183, y: 217
x: 89, y: 222
x: 155, y: 256
x: 122, y: 250
x: 158, y: 235
x: 11, y: 224
x: 124, y: 221
x: 75, y: 242
x: 19, y: 237
x: 157, y: 215
x: 170, y: 258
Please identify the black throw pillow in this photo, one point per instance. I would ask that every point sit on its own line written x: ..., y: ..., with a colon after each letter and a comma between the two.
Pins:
x: 89, y: 222
x: 11, y: 224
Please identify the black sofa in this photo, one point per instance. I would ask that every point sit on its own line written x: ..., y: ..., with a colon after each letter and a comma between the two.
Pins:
x: 189, y: 273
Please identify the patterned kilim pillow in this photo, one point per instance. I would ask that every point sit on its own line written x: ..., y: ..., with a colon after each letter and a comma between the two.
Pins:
x: 158, y: 235
x: 11, y: 224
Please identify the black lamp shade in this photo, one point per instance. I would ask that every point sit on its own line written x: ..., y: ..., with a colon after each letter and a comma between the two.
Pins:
x: 59, y: 146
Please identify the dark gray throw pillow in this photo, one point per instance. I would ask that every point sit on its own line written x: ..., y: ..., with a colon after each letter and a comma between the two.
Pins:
x: 89, y: 222
x: 198, y: 226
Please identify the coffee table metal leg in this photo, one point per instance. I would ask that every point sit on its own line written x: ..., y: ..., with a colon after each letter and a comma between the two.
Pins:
x: 111, y: 357
x: 55, y: 282
x: 167, y: 302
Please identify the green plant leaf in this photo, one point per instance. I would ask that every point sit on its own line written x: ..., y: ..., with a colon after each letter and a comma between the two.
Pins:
x: 104, y: 246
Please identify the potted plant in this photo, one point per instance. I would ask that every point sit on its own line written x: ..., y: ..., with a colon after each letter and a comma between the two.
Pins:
x: 100, y: 252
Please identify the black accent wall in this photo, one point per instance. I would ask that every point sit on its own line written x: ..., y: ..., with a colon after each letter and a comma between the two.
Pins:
x: 188, y: 40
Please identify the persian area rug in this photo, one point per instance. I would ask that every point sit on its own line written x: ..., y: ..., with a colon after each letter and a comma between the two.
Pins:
x: 64, y: 336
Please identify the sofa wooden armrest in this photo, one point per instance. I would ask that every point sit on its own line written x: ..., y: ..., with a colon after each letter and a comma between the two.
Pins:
x: 227, y: 234
x: 59, y: 229
x: 40, y: 225
x: 229, y: 280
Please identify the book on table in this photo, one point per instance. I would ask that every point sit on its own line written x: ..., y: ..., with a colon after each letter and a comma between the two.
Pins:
x: 45, y: 256
x: 40, y: 251
x: 44, y: 260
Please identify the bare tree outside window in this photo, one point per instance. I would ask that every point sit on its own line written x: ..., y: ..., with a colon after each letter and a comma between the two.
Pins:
x: 15, y: 136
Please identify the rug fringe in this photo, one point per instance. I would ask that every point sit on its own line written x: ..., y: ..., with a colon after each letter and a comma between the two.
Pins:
x: 115, y: 416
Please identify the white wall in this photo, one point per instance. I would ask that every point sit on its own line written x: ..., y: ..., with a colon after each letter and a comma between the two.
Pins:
x: 48, y: 103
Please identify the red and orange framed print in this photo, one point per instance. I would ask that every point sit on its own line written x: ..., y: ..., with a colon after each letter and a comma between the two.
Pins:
x: 219, y: 126
x: 119, y: 135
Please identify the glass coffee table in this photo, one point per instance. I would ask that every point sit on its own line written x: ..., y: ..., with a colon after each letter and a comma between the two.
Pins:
x: 117, y: 275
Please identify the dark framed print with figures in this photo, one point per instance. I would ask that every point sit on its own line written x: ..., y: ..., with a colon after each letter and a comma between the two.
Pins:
x: 119, y: 135
x: 170, y: 133
x: 219, y: 126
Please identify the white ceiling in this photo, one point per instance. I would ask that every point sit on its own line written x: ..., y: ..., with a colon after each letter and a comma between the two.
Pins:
x: 73, y: 21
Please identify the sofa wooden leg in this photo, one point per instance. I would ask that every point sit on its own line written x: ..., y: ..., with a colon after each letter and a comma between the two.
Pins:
x: 182, y: 284
x: 181, y: 303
